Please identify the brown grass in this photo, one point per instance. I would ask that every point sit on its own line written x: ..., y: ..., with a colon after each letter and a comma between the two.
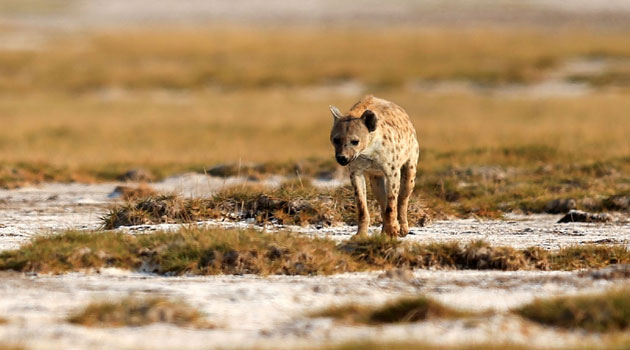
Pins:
x: 603, y: 312
x: 136, y: 312
x: 217, y: 251
x: 404, y: 310
x: 11, y: 347
x: 135, y: 89
x: 237, y: 58
x: 187, y: 251
x: 294, y: 203
x: 455, y: 131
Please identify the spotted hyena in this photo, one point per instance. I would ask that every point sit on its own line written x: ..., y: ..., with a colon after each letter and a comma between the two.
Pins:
x: 376, y: 139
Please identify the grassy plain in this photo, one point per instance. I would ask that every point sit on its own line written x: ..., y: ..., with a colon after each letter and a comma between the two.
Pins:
x: 88, y: 106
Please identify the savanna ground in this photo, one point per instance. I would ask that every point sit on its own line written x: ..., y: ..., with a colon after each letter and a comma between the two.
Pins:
x: 518, y: 123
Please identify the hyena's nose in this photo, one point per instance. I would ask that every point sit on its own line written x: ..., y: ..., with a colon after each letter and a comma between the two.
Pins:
x: 343, y: 160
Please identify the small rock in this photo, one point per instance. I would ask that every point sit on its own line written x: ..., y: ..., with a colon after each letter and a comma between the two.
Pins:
x: 582, y: 216
x: 137, y: 174
x: 560, y: 206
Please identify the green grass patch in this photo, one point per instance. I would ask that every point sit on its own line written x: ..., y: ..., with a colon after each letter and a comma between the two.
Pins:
x: 211, y: 251
x: 135, y: 312
x: 604, y: 312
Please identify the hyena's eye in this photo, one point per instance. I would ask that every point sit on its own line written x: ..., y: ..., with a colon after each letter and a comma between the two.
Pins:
x: 354, y: 142
x: 336, y: 140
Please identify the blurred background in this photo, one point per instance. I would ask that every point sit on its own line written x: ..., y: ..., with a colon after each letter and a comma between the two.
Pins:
x: 89, y: 88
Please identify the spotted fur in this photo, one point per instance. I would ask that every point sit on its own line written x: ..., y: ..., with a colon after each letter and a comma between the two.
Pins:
x: 377, y: 139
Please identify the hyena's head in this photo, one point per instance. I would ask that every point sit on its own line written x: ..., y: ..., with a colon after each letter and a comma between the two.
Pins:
x: 351, y: 135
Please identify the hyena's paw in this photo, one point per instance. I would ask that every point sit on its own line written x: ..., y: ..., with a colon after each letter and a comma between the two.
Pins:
x: 392, y: 230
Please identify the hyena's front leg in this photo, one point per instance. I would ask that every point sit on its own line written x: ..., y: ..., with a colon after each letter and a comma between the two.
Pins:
x: 407, y: 182
x: 360, y: 194
x: 390, y: 221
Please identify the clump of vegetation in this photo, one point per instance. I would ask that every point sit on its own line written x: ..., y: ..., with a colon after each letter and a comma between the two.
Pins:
x: 604, y: 312
x: 187, y: 251
x: 479, y: 255
x: 581, y: 256
x: 158, y: 209
x: 410, y: 309
x: 135, y: 312
x: 294, y: 203
x: 206, y: 251
x: 530, y: 186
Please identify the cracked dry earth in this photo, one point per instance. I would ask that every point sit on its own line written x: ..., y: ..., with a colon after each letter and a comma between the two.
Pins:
x: 271, y: 312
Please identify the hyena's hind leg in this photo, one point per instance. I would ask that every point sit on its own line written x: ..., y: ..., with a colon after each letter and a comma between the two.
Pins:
x: 407, y: 183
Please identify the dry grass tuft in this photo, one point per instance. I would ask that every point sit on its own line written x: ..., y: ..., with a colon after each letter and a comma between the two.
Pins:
x: 479, y: 255
x: 158, y: 209
x: 404, y: 310
x: 605, y: 312
x: 187, y: 251
x: 136, y: 312
x: 293, y: 203
x: 218, y: 251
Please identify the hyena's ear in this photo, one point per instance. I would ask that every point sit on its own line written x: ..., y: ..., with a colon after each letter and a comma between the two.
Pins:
x: 369, y: 118
x: 335, y: 112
